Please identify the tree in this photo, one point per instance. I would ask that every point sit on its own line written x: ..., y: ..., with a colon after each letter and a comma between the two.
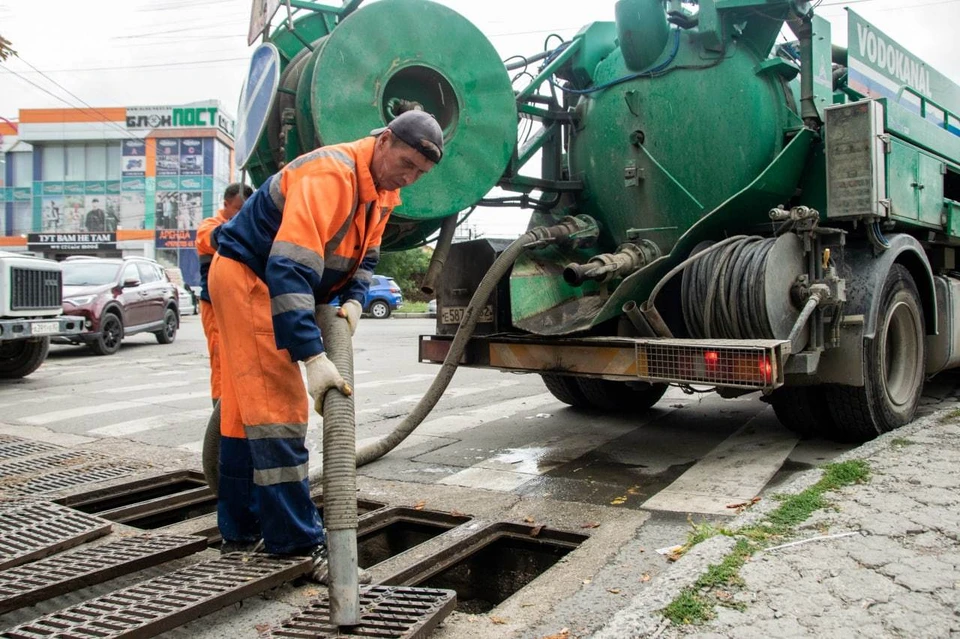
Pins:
x: 5, y: 49
x: 408, y: 268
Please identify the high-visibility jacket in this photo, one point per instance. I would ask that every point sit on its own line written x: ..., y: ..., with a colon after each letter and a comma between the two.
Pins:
x: 206, y: 248
x: 312, y: 232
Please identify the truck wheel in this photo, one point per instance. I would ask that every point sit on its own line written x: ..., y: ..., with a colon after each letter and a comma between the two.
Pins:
x: 111, y: 334
x: 894, y: 365
x: 169, y: 332
x: 803, y: 410
x: 19, y: 358
x: 619, y: 396
x: 565, y: 389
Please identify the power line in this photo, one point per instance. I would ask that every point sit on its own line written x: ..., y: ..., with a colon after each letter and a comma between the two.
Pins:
x: 148, y: 66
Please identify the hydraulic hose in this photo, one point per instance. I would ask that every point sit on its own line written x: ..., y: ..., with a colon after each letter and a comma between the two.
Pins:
x: 340, y: 478
x: 439, y: 258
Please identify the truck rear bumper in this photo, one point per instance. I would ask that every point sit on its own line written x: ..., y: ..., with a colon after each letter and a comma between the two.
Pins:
x: 40, y: 327
x: 749, y: 364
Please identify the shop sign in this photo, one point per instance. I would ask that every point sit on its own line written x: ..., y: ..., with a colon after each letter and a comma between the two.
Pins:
x: 176, y: 239
x: 71, y: 241
x: 161, y: 117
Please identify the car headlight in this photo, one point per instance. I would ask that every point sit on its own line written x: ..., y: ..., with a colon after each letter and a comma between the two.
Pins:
x: 79, y: 301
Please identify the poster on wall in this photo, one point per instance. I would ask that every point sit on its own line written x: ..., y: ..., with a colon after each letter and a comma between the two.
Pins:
x: 134, y: 158
x: 72, y: 214
x: 168, y: 157
x: 191, y: 156
x: 52, y: 210
x: 132, y: 210
x: 101, y: 215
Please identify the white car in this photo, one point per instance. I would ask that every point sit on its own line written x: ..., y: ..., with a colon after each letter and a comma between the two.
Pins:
x: 187, y: 301
x: 432, y: 308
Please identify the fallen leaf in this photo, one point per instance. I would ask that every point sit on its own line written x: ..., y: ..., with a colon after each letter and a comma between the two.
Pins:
x: 262, y: 627
x: 498, y: 620
x: 529, y: 520
x: 618, y: 501
x: 563, y: 634
x: 535, y: 531
x: 645, y: 578
x: 419, y: 505
x: 311, y: 592
x: 613, y: 591
x: 633, y: 490
x: 590, y: 524
x: 457, y: 513
x: 588, y: 581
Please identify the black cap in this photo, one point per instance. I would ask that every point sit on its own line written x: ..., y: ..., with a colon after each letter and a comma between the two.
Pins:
x: 420, y: 130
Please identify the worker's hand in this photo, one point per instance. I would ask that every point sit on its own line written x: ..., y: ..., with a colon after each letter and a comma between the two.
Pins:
x: 350, y: 311
x: 322, y: 375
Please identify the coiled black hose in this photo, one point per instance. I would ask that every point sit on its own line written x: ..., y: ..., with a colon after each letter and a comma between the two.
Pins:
x: 724, y: 293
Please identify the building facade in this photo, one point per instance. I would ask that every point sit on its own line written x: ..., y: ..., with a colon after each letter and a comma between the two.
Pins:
x: 114, y: 181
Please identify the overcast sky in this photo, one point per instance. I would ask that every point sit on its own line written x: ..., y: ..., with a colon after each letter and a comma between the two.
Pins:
x: 141, y: 52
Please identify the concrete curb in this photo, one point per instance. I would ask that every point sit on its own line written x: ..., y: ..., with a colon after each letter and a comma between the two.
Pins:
x: 641, y: 618
x: 412, y: 315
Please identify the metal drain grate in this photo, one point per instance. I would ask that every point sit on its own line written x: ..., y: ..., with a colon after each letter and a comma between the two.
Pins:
x: 70, y: 478
x: 388, y: 612
x: 169, y: 601
x: 33, y: 530
x: 47, y: 578
x: 13, y: 469
x: 11, y: 447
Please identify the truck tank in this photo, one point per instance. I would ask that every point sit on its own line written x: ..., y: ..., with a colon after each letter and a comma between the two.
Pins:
x: 774, y: 218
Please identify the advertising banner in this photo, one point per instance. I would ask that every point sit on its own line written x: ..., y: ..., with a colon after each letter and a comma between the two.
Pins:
x: 191, y: 156
x: 71, y: 241
x: 177, y: 239
x: 168, y: 157
x: 134, y: 158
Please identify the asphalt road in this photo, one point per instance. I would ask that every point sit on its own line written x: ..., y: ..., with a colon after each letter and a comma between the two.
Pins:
x: 498, y: 446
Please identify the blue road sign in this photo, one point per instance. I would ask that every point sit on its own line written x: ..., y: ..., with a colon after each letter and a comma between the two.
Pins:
x: 256, y: 100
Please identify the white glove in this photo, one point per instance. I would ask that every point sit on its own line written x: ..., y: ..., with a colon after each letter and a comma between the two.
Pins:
x: 322, y: 375
x: 350, y: 311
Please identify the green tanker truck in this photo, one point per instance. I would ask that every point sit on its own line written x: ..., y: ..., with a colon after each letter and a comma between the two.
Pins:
x: 741, y: 215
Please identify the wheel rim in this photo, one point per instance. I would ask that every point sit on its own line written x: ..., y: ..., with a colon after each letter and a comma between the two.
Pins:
x: 171, y: 328
x: 111, y: 333
x: 379, y: 311
x: 901, y: 355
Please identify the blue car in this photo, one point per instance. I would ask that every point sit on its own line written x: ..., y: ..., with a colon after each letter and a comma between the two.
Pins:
x: 383, y: 297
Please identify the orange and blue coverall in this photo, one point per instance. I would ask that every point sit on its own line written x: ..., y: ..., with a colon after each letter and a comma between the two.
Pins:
x: 309, y: 233
x: 207, y: 248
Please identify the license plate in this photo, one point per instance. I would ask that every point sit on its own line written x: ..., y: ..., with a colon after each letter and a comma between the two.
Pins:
x: 454, y: 314
x: 45, y: 328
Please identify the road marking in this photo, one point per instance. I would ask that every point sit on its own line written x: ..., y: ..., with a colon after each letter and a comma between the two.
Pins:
x: 132, y: 426
x: 732, y: 473
x: 406, y: 379
x: 478, y: 416
x: 36, y: 400
x: 146, y: 387
x: 86, y: 411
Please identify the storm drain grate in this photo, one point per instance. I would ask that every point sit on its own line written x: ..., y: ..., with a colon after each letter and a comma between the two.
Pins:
x: 47, y: 578
x: 33, y: 530
x: 163, y: 603
x: 73, y: 477
x: 11, y: 447
x: 388, y: 612
x: 13, y: 469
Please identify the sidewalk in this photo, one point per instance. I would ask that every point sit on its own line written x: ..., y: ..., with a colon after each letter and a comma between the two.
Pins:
x: 896, y: 575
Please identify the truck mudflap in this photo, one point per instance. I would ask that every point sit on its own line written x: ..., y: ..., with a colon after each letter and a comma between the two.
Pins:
x: 40, y: 327
x: 747, y: 364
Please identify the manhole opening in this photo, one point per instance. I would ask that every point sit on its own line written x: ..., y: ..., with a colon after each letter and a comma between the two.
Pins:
x: 398, y: 530
x: 135, y: 492
x: 214, y: 540
x: 167, y: 516
x: 496, y: 570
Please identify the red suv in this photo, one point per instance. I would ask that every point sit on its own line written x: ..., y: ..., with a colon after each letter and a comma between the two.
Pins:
x: 118, y: 297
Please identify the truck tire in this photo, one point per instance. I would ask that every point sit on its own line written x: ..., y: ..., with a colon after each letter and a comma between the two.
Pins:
x: 111, y: 334
x: 169, y: 332
x: 894, y: 365
x: 803, y: 410
x: 620, y: 397
x: 565, y: 389
x: 19, y: 358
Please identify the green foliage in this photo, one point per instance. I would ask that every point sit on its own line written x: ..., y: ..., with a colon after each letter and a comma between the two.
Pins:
x: 688, y: 608
x: 5, y: 49
x: 408, y: 268
x: 727, y: 572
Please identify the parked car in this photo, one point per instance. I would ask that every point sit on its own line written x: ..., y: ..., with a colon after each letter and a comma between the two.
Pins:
x: 187, y: 301
x: 382, y: 299
x: 117, y: 297
x: 432, y: 308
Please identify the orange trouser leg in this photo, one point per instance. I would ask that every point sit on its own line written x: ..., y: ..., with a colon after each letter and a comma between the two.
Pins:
x: 212, y: 333
x: 265, y: 403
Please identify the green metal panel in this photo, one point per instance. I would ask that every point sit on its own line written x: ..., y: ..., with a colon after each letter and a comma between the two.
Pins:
x: 822, y: 64
x: 902, y: 181
x: 952, y: 210
x: 930, y: 171
x: 599, y: 39
x: 908, y: 125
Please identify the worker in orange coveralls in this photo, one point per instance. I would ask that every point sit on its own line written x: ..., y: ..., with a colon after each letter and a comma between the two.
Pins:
x: 233, y: 198
x: 310, y: 233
